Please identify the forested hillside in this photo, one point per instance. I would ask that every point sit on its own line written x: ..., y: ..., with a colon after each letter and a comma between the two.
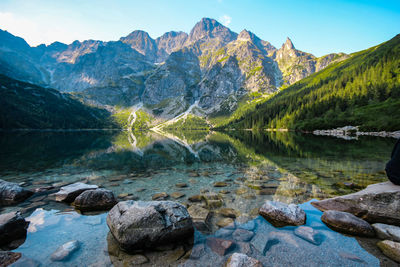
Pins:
x: 363, y: 90
x: 24, y: 105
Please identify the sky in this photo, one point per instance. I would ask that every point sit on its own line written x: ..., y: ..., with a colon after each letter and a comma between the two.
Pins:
x: 316, y: 26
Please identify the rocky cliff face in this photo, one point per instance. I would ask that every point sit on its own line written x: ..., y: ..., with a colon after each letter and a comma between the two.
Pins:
x: 211, y: 67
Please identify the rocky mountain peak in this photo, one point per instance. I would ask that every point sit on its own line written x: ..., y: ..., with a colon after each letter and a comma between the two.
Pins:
x: 246, y: 35
x: 288, y: 45
x: 141, y: 42
x: 210, y: 28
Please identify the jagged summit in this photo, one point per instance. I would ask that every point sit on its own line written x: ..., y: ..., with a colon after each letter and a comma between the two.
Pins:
x: 288, y: 45
x: 208, y: 28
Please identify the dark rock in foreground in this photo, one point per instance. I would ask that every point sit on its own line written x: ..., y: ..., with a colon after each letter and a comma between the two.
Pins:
x: 65, y: 251
x: 390, y: 249
x: 11, y: 193
x: 347, y: 223
x: 7, y: 257
x: 242, y: 260
x: 12, y: 227
x: 70, y: 192
x: 378, y: 203
x: 280, y: 214
x: 98, y: 199
x: 140, y: 224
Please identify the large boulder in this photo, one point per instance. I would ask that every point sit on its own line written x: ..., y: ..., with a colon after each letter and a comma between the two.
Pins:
x: 242, y: 260
x: 378, y: 203
x: 141, y: 224
x: 12, y: 227
x: 11, y: 193
x: 280, y: 214
x: 98, y: 199
x: 347, y: 223
x: 68, y: 193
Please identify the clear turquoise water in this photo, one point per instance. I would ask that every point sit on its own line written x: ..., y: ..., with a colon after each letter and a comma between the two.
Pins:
x: 293, y: 168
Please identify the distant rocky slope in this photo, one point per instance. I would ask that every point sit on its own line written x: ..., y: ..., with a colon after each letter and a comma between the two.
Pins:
x: 212, y: 68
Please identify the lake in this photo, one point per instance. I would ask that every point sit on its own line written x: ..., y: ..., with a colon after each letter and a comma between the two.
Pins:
x: 242, y: 168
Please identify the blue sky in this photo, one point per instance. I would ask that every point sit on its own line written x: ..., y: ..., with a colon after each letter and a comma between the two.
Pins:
x: 319, y: 27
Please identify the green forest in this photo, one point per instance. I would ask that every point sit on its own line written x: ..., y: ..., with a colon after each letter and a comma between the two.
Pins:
x: 363, y: 91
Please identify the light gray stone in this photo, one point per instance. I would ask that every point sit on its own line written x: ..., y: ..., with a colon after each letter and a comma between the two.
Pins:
x: 280, y: 214
x: 141, y: 224
x: 385, y: 231
x: 70, y: 192
x: 242, y: 260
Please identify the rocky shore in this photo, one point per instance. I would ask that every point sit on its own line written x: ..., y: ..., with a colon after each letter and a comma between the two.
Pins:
x: 352, y: 132
x: 161, y: 232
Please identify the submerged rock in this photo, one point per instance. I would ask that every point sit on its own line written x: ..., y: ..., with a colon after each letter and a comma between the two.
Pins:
x: 70, y: 192
x: 65, y: 251
x: 242, y: 260
x: 200, y: 216
x: 220, y: 246
x: 347, y: 223
x: 390, y: 249
x: 12, y: 227
x: 98, y: 199
x: 177, y: 195
x: 160, y: 196
x: 11, y: 193
x: 385, y: 231
x: 140, y: 224
x: 7, y: 257
x: 308, y: 234
x: 378, y: 203
x: 242, y: 235
x: 280, y: 214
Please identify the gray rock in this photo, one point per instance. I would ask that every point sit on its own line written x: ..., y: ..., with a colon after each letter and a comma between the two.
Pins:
x: 390, y: 249
x: 242, y: 235
x: 308, y: 234
x: 98, y: 199
x: 8, y: 257
x: 65, y: 251
x: 11, y: 193
x: 260, y: 241
x: 12, y: 227
x: 140, y: 224
x: 385, y: 231
x: 197, y: 251
x: 347, y: 223
x: 242, y: 260
x: 378, y: 203
x: 280, y: 214
x: 70, y: 192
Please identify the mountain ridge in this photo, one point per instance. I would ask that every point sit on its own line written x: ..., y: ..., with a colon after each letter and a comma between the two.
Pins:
x: 211, y: 65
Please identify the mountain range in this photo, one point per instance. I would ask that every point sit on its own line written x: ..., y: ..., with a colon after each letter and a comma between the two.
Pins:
x: 208, y: 72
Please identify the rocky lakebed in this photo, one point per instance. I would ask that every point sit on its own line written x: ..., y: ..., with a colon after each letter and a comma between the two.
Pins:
x: 91, y: 199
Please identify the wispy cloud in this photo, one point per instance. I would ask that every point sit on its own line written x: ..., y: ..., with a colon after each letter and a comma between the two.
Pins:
x: 225, y: 19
